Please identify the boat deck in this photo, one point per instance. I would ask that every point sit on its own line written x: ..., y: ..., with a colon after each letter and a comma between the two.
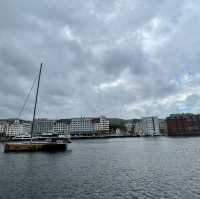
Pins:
x: 36, y: 146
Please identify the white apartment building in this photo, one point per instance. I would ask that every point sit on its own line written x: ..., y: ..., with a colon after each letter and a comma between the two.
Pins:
x: 103, y: 124
x: 80, y: 126
x: 150, y: 126
x: 74, y: 126
x: 43, y: 125
x: 129, y: 126
x: 15, y: 127
x: 2, y: 127
x: 48, y: 126
x: 61, y: 126
x: 138, y: 128
x: 88, y: 126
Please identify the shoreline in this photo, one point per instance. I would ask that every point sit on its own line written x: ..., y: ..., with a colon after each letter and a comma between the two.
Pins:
x: 101, y: 137
x: 105, y: 137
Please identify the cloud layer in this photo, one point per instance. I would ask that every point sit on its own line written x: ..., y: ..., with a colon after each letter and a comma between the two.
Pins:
x: 122, y: 58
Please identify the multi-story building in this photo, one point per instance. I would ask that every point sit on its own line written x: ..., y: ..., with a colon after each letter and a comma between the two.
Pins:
x: 138, y: 128
x: 43, y: 125
x: 15, y: 127
x: 183, y: 124
x: 129, y: 126
x: 47, y: 126
x: 150, y: 126
x: 89, y: 126
x: 79, y: 126
x: 61, y: 126
x: 74, y: 126
x: 103, y: 125
x: 3, y: 125
x: 163, y: 126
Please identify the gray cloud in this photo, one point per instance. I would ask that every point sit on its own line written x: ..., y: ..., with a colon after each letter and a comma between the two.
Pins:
x: 118, y: 58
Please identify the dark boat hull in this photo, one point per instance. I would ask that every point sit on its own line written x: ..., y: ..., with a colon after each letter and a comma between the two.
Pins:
x: 34, y: 147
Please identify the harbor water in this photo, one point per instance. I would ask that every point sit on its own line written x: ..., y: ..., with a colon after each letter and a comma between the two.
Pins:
x: 159, y: 167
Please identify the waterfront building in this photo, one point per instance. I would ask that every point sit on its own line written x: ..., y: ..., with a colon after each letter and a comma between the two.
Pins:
x: 15, y: 127
x: 61, y: 126
x: 138, y: 131
x: 48, y: 126
x: 43, y: 125
x: 3, y: 128
x: 129, y: 126
x: 74, y: 126
x: 183, y: 124
x: 87, y: 126
x: 150, y: 126
x: 103, y: 125
x: 82, y: 126
x: 163, y: 126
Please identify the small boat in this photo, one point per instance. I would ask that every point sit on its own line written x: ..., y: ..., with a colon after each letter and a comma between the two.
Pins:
x: 35, y: 146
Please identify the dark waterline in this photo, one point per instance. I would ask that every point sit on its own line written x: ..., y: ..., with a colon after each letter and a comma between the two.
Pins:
x: 111, y: 168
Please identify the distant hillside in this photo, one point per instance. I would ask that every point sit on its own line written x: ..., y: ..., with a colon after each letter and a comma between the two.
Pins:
x: 117, y: 123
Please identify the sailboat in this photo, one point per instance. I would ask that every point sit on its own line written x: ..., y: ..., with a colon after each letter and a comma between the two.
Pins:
x: 34, y: 146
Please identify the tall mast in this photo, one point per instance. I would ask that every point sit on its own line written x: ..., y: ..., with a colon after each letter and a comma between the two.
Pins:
x: 36, y: 99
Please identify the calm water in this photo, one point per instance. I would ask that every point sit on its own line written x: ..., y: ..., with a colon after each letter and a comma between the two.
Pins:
x: 110, y: 168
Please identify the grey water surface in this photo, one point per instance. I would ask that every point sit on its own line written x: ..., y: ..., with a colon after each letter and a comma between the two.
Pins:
x: 158, y: 167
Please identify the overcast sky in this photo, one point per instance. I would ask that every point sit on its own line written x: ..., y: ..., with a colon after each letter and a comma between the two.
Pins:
x: 122, y: 58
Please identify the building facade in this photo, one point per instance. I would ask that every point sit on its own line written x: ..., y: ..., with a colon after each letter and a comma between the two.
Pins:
x: 163, y: 127
x: 43, y: 126
x: 75, y: 126
x: 183, y: 124
x: 61, y: 127
x: 138, y: 128
x: 103, y: 125
x: 82, y: 126
x: 3, y: 125
x: 15, y: 127
x: 150, y: 126
x: 86, y: 126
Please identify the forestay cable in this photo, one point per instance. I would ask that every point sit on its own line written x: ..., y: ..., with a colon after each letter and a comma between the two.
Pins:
x: 27, y: 97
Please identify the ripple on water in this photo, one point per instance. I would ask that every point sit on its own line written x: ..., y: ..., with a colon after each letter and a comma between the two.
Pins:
x: 114, y: 168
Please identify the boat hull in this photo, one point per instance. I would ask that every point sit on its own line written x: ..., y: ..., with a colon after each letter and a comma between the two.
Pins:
x: 34, y: 147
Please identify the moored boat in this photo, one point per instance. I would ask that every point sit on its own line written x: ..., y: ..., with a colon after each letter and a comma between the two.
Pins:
x: 34, y: 146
